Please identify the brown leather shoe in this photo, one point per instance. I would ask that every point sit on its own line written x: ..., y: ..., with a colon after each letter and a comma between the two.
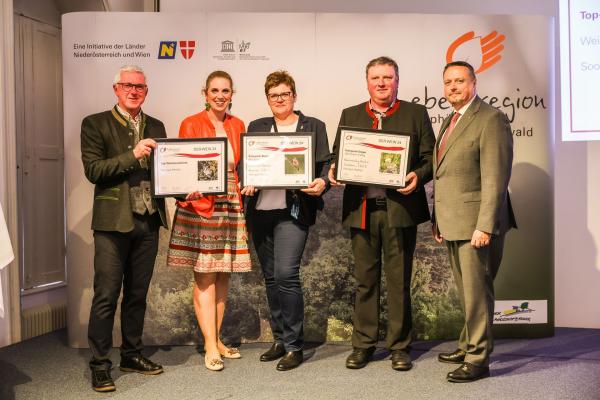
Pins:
x: 401, y: 360
x: 359, y: 358
x: 456, y: 357
x: 468, y: 372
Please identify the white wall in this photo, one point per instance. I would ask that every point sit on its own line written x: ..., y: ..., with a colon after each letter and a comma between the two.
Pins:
x: 48, y: 12
x: 4, y: 321
x: 6, y: 158
x: 577, y: 164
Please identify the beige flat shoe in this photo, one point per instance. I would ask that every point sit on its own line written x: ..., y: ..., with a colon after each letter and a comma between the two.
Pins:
x: 214, y: 364
x: 231, y: 352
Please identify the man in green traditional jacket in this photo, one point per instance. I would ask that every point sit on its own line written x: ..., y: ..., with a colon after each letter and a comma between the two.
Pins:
x: 115, y: 150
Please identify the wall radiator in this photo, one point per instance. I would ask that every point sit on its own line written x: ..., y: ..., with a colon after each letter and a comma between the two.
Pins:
x: 43, y: 319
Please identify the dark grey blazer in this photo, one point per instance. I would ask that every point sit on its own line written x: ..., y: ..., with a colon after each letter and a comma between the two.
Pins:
x: 108, y: 162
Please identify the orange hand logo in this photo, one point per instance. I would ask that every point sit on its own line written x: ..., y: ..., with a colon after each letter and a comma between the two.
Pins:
x: 491, y: 46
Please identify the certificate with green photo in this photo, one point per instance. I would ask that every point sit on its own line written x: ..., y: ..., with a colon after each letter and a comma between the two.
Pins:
x: 274, y: 161
x: 371, y: 157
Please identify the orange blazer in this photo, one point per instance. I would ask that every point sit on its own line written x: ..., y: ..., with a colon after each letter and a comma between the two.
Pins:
x: 200, y: 126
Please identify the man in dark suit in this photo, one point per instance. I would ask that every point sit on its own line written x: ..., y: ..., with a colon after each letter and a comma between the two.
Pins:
x: 472, y: 212
x: 115, y: 146
x: 386, y: 219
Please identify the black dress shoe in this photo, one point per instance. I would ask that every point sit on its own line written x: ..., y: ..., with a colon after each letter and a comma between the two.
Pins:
x: 359, y: 358
x: 456, y: 357
x: 276, y: 351
x: 468, y: 372
x: 401, y: 360
x: 140, y: 364
x: 290, y: 360
x: 102, y: 381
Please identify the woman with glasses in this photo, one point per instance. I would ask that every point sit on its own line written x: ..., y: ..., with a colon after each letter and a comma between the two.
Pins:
x: 209, y: 232
x: 279, y: 220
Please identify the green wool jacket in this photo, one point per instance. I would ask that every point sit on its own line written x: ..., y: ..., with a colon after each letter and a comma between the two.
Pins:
x: 107, y: 144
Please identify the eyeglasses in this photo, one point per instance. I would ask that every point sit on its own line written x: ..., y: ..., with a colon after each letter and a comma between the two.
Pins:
x: 128, y: 87
x: 276, y: 96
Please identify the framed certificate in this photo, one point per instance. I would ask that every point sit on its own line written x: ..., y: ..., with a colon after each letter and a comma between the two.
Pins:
x: 182, y: 166
x: 371, y: 157
x: 275, y: 161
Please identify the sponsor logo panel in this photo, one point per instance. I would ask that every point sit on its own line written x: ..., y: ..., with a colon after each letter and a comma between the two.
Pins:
x: 237, y: 50
x: 521, y: 312
x: 187, y: 48
x: 483, y: 51
x: 166, y: 50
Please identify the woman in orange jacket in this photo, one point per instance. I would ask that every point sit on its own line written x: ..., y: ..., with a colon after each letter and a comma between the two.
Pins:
x: 209, y: 232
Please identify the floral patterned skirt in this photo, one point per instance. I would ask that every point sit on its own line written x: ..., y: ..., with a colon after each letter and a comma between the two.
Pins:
x: 217, y: 244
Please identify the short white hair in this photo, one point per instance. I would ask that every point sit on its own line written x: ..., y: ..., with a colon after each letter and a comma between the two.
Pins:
x: 128, y: 68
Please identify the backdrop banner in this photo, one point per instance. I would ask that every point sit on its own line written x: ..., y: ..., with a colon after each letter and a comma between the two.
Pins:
x: 326, y: 54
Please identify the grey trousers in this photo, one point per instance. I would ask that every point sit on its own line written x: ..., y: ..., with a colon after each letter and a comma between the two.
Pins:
x: 474, y: 271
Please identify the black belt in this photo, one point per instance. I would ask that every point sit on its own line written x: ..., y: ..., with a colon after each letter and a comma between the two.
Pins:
x: 377, y: 204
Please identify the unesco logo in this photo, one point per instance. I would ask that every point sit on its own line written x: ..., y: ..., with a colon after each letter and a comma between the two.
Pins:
x: 228, y: 46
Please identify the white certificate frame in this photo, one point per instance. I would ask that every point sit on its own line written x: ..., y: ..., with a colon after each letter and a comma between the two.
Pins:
x: 277, y: 161
x: 183, y: 166
x: 369, y: 157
